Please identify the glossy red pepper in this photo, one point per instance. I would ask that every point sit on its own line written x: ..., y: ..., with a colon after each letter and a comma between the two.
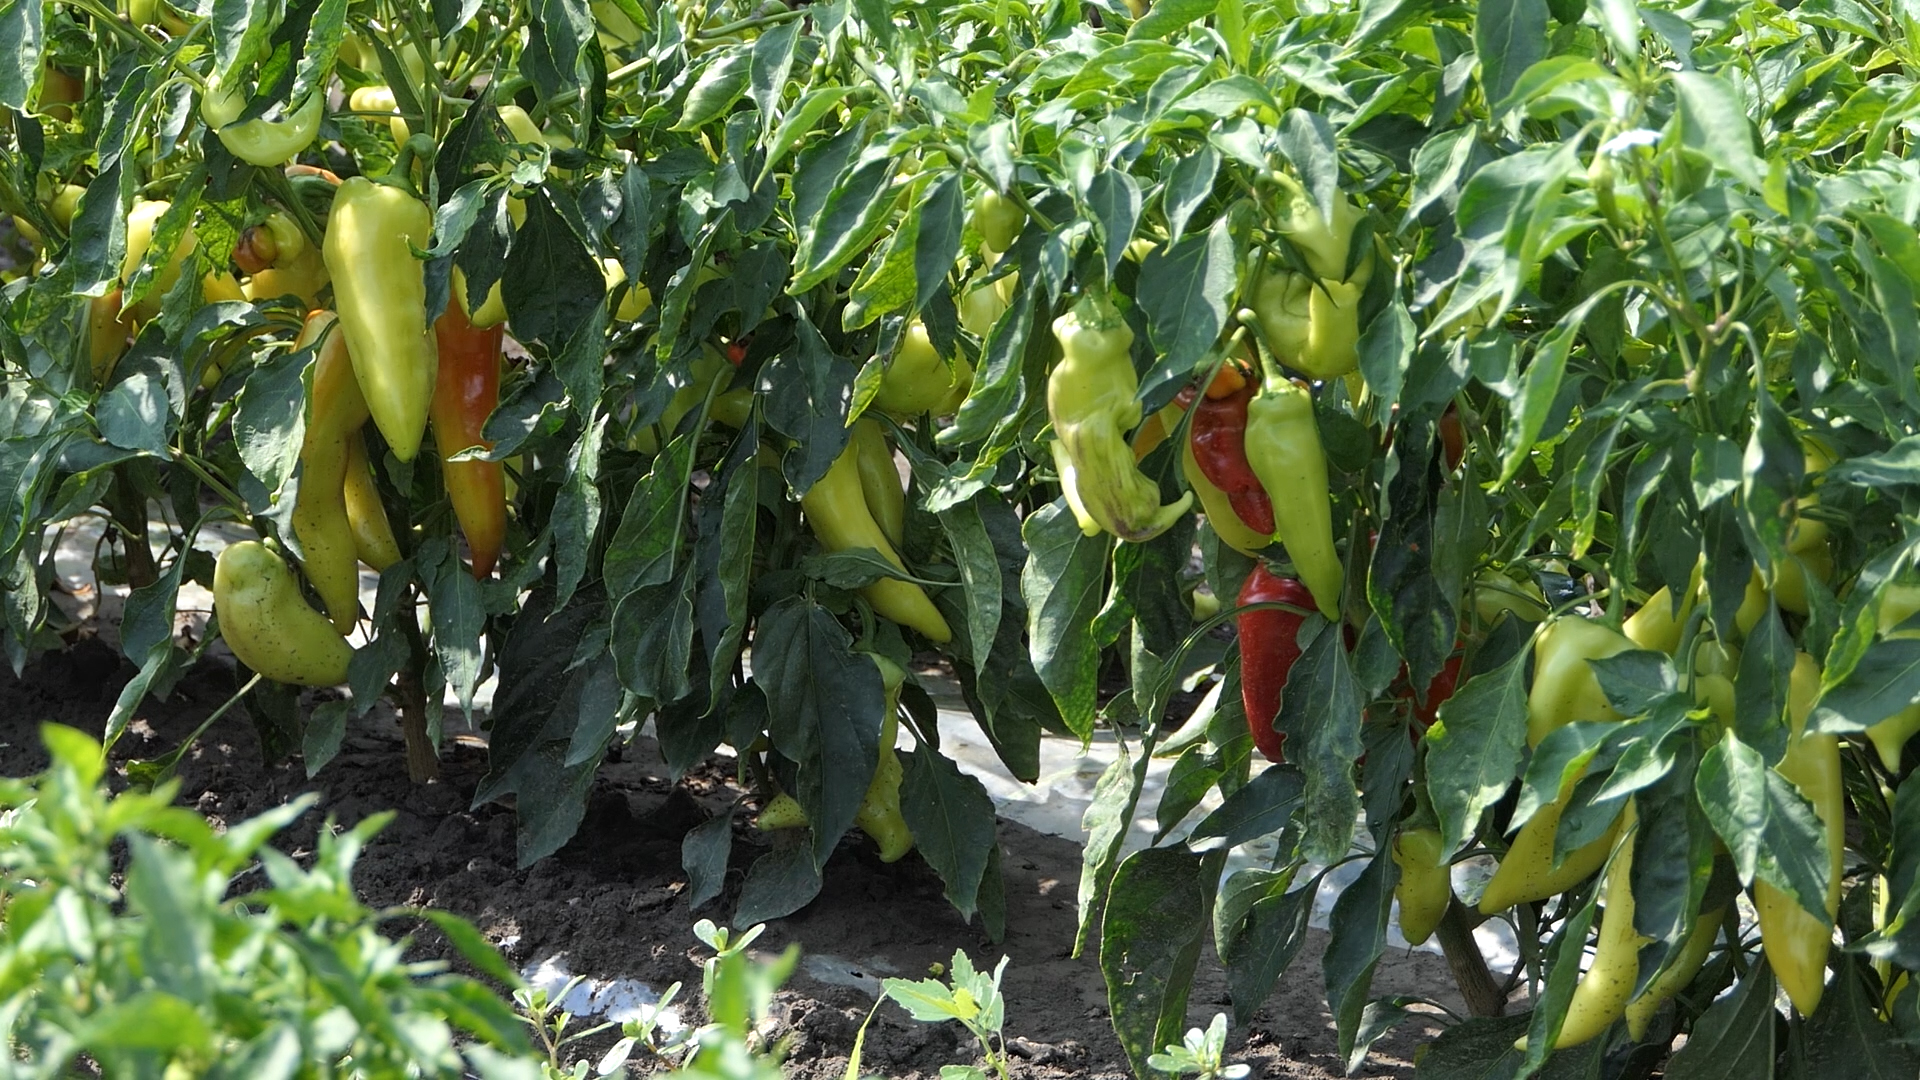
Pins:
x: 1219, y: 445
x: 1453, y: 438
x: 1438, y: 691
x: 466, y: 390
x: 1269, y: 644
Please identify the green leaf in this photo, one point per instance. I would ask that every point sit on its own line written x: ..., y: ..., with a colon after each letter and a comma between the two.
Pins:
x: 551, y: 283
x: 1150, y: 939
x: 1768, y: 826
x: 269, y: 420
x: 1358, y: 935
x: 576, y: 513
x: 1062, y: 583
x: 459, y: 624
x: 704, y: 852
x: 22, y: 36
x: 645, y: 549
x: 1169, y: 17
x: 854, y: 214
x: 1510, y: 36
x: 1886, y: 681
x: 1473, y: 751
x: 1735, y: 1038
x: 807, y: 391
x: 825, y: 702
x: 952, y: 819
x: 1715, y: 124
x: 980, y: 574
x: 1184, y: 290
x: 1260, y: 807
x: 1846, y: 1035
x: 1321, y: 714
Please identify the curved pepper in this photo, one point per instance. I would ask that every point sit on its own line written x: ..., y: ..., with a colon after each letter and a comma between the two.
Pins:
x: 1796, y: 941
x: 1218, y: 442
x: 381, y: 292
x: 259, y: 141
x: 267, y: 624
x: 836, y: 507
x: 1283, y: 446
x: 335, y: 412
x: 917, y: 380
x: 879, y: 816
x: 464, y: 394
x: 1226, y: 522
x: 1155, y: 429
x: 1426, y: 883
x: 1093, y: 399
x: 879, y: 479
x: 1600, y: 997
x: 1889, y: 737
x: 1269, y: 644
x: 1680, y: 972
x: 373, y: 538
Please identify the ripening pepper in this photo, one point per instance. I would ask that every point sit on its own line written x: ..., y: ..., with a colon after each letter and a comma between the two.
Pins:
x: 259, y: 141
x: 280, y: 262
x: 982, y: 304
x: 1680, y: 971
x: 918, y: 380
x: 1155, y: 429
x: 880, y: 479
x: 373, y: 538
x: 1495, y: 595
x: 1657, y: 626
x: 381, y: 293
x: 335, y: 413
x: 1269, y: 644
x: 836, y: 507
x: 107, y: 333
x: 1796, y: 941
x: 879, y: 815
x: 1283, y: 446
x: 274, y: 242
x: 214, y: 285
x: 267, y: 623
x: 1311, y: 320
x: 379, y: 101
x: 1889, y: 737
x: 1227, y: 523
x: 1093, y: 399
x: 465, y: 393
x: 1600, y: 997
x: 1426, y: 882
x: 1217, y: 438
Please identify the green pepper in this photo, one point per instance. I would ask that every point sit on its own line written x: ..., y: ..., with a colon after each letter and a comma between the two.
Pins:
x: 879, y: 815
x: 1889, y: 736
x: 335, y: 412
x: 998, y: 219
x: 1093, y: 399
x: 1426, y: 882
x: 836, y: 507
x: 919, y: 380
x: 1310, y: 321
x: 380, y: 289
x: 259, y: 141
x: 1796, y: 940
x: 880, y: 479
x: 1283, y: 446
x: 267, y: 623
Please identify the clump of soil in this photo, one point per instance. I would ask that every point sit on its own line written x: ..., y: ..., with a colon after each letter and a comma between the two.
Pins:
x: 612, y: 903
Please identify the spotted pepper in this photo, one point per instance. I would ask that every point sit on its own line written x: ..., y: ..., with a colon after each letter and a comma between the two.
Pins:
x: 1796, y: 940
x: 269, y: 625
x: 335, y: 413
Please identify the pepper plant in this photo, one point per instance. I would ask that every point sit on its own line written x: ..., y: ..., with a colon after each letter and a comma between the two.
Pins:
x: 1563, y: 355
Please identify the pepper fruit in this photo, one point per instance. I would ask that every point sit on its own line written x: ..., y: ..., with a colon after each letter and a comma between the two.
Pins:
x: 269, y: 626
x: 836, y: 507
x: 259, y: 141
x: 1795, y: 939
x: 918, y: 381
x: 1426, y: 882
x: 1093, y: 399
x: 335, y: 412
x: 1155, y: 429
x: 998, y: 219
x: 880, y: 480
x: 1600, y: 997
x: 1283, y: 446
x: 1889, y: 737
x: 1564, y: 690
x: 107, y: 333
x: 879, y: 816
x: 465, y: 392
x: 1445, y: 682
x: 1680, y: 972
x: 1269, y: 644
x: 1313, y: 325
x: 982, y: 304
x: 1657, y: 625
x: 215, y: 285
x: 1227, y: 523
x: 379, y: 101
x: 373, y: 538
x: 1495, y: 595
x: 633, y: 304
x: 381, y: 292
x: 1564, y: 687
x: 276, y: 241
x: 1217, y: 439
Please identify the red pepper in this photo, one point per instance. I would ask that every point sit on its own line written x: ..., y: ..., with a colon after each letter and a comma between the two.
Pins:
x: 464, y: 394
x: 1219, y: 445
x: 1453, y: 438
x: 1438, y: 691
x: 1269, y: 644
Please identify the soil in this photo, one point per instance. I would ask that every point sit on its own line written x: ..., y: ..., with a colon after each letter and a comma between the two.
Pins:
x: 612, y: 904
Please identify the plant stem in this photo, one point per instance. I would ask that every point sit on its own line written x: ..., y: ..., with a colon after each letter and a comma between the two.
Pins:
x: 1470, y: 972
x: 423, y: 764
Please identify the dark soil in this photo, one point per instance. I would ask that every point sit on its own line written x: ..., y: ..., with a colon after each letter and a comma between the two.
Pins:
x: 611, y: 902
